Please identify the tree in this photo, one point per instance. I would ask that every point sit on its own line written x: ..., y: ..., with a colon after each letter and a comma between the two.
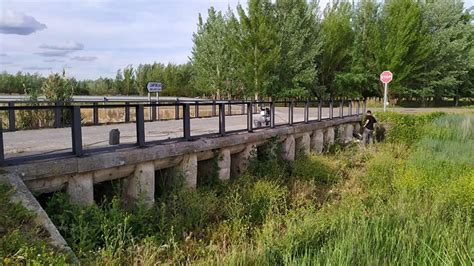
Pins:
x: 256, y: 48
x: 299, y: 46
x: 452, y: 41
x: 337, y: 38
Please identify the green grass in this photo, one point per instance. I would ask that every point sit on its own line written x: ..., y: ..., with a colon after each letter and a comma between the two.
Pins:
x: 409, y: 200
x: 21, y: 241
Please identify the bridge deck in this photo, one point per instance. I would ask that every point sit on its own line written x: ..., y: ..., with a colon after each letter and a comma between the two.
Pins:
x: 53, y: 141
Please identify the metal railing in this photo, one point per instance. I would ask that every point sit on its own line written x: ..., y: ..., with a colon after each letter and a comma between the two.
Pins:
x: 218, y: 109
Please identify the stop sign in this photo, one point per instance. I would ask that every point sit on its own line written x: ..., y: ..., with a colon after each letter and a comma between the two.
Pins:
x: 386, y: 77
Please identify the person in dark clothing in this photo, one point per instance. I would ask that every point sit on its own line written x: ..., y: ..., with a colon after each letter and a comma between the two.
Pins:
x: 370, y: 120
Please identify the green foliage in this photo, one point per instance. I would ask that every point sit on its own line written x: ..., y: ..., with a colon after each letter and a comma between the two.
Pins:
x: 21, y: 241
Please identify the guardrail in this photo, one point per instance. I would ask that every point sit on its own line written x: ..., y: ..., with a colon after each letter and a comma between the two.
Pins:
x: 218, y: 109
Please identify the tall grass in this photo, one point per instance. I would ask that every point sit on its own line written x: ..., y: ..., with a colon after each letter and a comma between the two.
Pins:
x: 407, y: 201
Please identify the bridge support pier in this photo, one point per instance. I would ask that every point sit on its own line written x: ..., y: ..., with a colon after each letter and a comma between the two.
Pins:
x: 188, y: 167
x: 224, y: 164
x: 240, y: 161
x: 289, y: 148
x: 80, y: 189
x: 348, y: 132
x: 357, y: 128
x: 340, y: 133
x: 303, y: 144
x: 141, y: 184
x: 317, y: 141
x: 329, y: 137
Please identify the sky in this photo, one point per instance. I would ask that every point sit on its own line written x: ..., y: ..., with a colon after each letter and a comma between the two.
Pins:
x: 95, y: 38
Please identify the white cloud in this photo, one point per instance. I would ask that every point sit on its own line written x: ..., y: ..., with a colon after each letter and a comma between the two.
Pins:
x: 68, y: 46
x: 54, y: 53
x: 3, y: 55
x: 18, y: 23
x: 53, y: 61
x: 84, y: 58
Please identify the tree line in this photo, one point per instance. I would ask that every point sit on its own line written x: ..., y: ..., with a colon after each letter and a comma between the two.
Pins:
x: 296, y: 49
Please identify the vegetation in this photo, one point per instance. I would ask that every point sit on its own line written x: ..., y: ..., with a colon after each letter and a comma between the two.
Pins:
x: 21, y: 241
x: 298, y: 49
x: 408, y: 200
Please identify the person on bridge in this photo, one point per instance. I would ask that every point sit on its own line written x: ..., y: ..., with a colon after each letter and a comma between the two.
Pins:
x: 367, y: 137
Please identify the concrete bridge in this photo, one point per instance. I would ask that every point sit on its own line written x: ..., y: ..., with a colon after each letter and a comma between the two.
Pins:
x: 137, y: 164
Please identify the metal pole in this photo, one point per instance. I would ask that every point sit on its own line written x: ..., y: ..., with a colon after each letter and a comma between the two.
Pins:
x: 350, y: 107
x: 250, y: 117
x: 11, y: 117
x: 95, y: 113
x: 272, y: 114
x: 157, y: 106
x: 331, y: 109
x: 341, y: 109
x: 221, y: 118
x: 306, y: 112
x: 320, y: 110
x: 176, y: 110
x: 57, y: 115
x: 186, y: 122
x: 2, y: 152
x: 127, y: 112
x: 229, y: 108
x: 358, y: 106
x: 140, y: 123
x: 385, y: 97
x: 153, y: 111
x: 76, y: 131
x: 290, y: 113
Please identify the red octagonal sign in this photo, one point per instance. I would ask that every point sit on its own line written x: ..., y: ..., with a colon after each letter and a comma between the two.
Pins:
x: 386, y: 77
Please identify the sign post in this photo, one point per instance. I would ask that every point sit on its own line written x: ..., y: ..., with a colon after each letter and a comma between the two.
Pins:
x: 155, y: 87
x: 386, y: 77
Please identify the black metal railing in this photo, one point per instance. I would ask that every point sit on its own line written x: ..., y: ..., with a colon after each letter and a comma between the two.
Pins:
x: 218, y: 109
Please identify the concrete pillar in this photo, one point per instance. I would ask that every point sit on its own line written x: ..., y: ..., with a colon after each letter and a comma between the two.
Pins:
x: 348, y: 132
x: 289, y: 148
x: 317, y: 141
x: 303, y: 144
x: 329, y: 137
x: 80, y: 189
x: 224, y: 164
x: 357, y: 128
x: 240, y: 161
x: 142, y: 184
x: 340, y: 131
x: 189, y: 168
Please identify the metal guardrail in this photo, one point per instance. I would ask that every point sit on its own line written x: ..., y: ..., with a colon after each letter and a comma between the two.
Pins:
x: 220, y: 106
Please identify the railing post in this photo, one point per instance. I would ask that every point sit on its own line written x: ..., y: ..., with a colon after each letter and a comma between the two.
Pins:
x: 186, y: 122
x: 11, y: 117
x: 76, y: 131
x: 331, y: 109
x: 213, y: 108
x: 57, y: 115
x: 221, y: 118
x: 341, y: 109
x: 320, y: 110
x: 306, y: 111
x: 250, y: 106
x: 350, y: 107
x: 196, y: 110
x: 127, y: 112
x: 140, y: 122
x: 2, y: 151
x: 272, y: 114
x: 358, y: 106
x: 176, y: 110
x: 153, y: 110
x: 95, y: 113
x: 290, y: 113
